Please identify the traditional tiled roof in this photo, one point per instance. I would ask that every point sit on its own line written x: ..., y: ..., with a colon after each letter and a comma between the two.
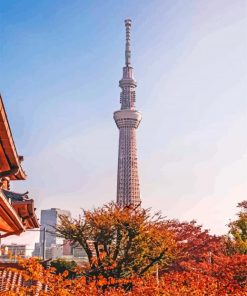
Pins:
x: 23, y: 207
x: 10, y: 160
x: 13, y: 280
x: 10, y: 220
x: 17, y: 212
x: 15, y: 196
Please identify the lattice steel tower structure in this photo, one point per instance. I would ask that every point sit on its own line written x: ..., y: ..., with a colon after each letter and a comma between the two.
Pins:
x: 127, y: 120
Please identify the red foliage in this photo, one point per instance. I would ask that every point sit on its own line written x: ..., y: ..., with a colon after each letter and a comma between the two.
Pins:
x: 193, y: 244
x: 198, y: 264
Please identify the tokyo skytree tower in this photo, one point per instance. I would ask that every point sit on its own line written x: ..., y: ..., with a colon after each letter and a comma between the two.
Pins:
x: 127, y: 120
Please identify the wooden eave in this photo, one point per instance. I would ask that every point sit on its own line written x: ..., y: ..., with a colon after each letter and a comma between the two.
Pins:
x: 10, y: 222
x: 9, y: 158
x: 25, y: 210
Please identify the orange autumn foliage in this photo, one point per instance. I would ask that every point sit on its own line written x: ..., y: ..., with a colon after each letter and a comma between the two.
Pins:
x: 194, y: 262
x: 220, y: 278
x: 120, y: 242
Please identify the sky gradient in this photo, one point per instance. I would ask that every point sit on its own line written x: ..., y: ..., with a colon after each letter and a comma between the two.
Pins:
x: 60, y: 65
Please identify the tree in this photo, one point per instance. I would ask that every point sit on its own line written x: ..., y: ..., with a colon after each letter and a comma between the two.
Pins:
x: 192, y: 244
x: 119, y: 242
x: 220, y: 282
x: 61, y: 266
x: 237, y: 236
x: 123, y: 246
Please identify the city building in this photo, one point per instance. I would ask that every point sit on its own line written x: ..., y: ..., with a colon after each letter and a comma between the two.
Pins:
x: 48, y: 238
x: 37, y: 250
x: 75, y: 250
x: 49, y: 219
x: 17, y: 212
x: 79, y: 252
x: 127, y: 120
x: 15, y: 250
x: 54, y: 252
x: 67, y: 248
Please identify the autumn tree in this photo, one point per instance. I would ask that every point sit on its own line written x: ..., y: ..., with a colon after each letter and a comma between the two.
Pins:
x: 200, y: 254
x: 220, y: 282
x: 119, y: 242
x: 237, y: 236
x: 123, y: 246
x: 192, y: 243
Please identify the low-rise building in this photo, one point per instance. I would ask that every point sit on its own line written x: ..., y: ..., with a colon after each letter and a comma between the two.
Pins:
x: 15, y: 250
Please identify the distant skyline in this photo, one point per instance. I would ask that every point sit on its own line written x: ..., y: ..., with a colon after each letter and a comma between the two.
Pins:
x: 60, y: 66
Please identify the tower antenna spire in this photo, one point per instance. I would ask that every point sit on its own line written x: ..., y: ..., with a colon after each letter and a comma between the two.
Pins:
x: 127, y: 43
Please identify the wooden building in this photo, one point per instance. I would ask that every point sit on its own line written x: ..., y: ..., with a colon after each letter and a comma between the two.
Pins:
x: 17, y: 212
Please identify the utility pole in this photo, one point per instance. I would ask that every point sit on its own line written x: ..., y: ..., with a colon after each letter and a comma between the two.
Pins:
x: 44, y: 243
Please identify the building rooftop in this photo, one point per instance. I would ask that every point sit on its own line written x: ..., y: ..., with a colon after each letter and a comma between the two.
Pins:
x: 17, y: 212
x: 10, y: 160
x: 15, y: 196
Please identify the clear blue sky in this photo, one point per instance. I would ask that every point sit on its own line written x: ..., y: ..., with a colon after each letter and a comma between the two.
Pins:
x: 60, y: 66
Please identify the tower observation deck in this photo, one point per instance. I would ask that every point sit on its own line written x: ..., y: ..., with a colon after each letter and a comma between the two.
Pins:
x: 127, y: 120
